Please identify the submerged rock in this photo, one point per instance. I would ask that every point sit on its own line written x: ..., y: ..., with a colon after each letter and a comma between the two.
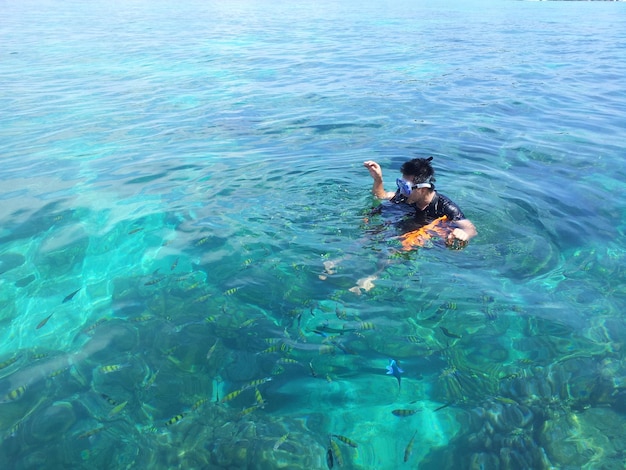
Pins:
x: 266, y: 446
x: 592, y: 439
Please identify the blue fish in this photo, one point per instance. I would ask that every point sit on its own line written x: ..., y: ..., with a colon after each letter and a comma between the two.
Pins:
x: 394, y: 369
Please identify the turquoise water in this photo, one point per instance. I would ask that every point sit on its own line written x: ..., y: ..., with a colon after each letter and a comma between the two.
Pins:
x: 185, y: 169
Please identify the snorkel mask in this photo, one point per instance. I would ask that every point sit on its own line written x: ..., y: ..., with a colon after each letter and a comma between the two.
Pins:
x: 406, y: 187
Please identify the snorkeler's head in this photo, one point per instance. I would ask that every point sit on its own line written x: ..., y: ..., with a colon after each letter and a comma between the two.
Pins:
x: 420, y: 171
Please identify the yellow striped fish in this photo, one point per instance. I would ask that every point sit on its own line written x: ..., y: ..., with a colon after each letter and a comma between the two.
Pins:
x: 112, y: 368
x: 92, y: 327
x: 257, y: 382
x: 271, y: 349
x: 150, y: 381
x: 193, y: 286
x: 211, y: 350
x: 118, y: 408
x: 259, y: 398
x: 91, y: 432
x: 336, y: 452
x: 15, y: 394
x: 175, y: 419
x: 280, y: 441
x: 248, y: 322
x: 247, y: 411
x: 287, y: 360
x: 54, y: 373
x: 202, y: 298
x: 8, y: 362
x: 345, y: 440
x: 232, y: 395
x: 409, y: 448
x: 141, y: 318
x: 199, y: 403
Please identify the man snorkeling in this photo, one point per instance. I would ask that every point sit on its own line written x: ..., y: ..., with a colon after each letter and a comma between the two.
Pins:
x: 417, y: 189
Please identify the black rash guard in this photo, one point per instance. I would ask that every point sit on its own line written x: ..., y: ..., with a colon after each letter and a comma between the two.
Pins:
x: 439, y: 206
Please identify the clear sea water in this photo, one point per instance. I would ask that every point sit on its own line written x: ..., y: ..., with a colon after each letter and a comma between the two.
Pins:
x: 175, y: 175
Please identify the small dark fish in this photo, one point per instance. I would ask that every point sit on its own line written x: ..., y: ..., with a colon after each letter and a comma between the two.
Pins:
x: 443, y: 406
x: 342, y: 347
x: 174, y: 264
x: 71, y: 296
x: 341, y: 314
x: 329, y: 458
x: 109, y: 400
x: 403, y: 413
x: 327, y: 329
x: 448, y: 334
x: 43, y: 322
x: 393, y: 369
x: 135, y: 230
x: 91, y: 432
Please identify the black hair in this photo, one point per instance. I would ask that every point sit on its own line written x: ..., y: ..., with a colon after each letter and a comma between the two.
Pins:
x: 420, y: 169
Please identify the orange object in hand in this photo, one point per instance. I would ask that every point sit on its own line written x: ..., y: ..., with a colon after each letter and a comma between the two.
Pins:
x: 437, y: 228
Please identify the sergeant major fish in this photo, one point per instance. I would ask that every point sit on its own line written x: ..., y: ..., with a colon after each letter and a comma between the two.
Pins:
x: 112, y: 368
x: 409, y: 448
